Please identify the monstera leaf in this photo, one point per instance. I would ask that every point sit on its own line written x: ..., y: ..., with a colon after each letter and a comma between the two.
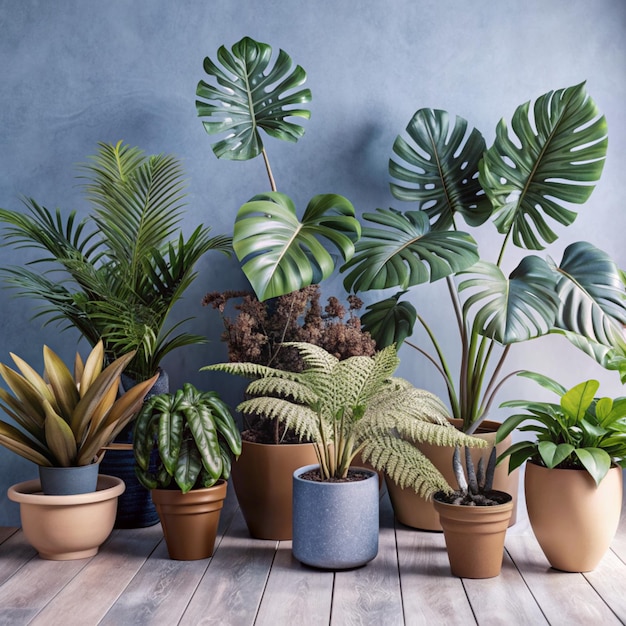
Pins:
x: 439, y: 169
x: 389, y: 321
x: 406, y: 253
x: 563, y: 147
x: 251, y: 94
x: 515, y: 309
x: 281, y: 254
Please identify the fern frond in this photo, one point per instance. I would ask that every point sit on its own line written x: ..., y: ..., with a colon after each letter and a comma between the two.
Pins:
x: 250, y: 370
x: 314, y: 357
x: 283, y: 388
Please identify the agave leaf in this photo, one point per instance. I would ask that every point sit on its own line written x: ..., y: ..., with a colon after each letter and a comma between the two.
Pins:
x: 62, y: 383
x: 279, y: 253
x: 26, y: 395
x: 563, y: 148
x: 60, y: 438
x: 92, y: 367
x: 34, y: 379
x: 16, y: 441
x: 437, y: 166
x: 30, y: 422
x: 515, y: 309
x: 406, y: 253
x: 251, y: 94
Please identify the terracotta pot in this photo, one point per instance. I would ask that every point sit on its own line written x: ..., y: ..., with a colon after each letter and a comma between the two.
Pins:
x: 335, y: 524
x: 262, y: 477
x: 475, y: 537
x: 190, y: 520
x: 417, y: 512
x: 62, y: 528
x: 573, y: 520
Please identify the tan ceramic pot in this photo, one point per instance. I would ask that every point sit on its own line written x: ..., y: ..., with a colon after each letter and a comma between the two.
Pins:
x: 62, y: 528
x: 262, y: 477
x: 417, y: 512
x: 474, y: 537
x: 573, y: 520
x: 190, y: 520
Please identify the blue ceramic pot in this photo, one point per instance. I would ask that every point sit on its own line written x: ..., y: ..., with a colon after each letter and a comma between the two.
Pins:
x: 68, y: 481
x: 335, y: 524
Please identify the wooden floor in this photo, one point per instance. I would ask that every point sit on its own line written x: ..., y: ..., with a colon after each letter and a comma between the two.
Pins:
x: 131, y: 581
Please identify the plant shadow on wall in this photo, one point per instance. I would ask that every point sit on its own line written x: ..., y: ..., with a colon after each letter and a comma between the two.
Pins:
x: 525, y: 183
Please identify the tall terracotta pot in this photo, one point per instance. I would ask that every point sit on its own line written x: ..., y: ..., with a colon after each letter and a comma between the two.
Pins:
x: 475, y: 536
x: 417, y: 512
x: 262, y: 477
x: 190, y: 520
x: 573, y: 520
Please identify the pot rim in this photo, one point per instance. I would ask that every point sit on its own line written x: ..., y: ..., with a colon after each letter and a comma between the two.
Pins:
x: 29, y: 492
x: 508, y: 501
x: 306, y: 468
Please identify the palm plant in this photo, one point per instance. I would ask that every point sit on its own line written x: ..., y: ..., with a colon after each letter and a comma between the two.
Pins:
x: 248, y: 94
x: 354, y: 406
x: 524, y: 182
x: 117, y: 273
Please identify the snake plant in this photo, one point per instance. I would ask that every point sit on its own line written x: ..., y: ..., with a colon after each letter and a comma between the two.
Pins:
x: 354, y: 406
x: 525, y: 184
x: 194, y: 434
x: 246, y: 92
x: 67, y: 419
x: 124, y: 266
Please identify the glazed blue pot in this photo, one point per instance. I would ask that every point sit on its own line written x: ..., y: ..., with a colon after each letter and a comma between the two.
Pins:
x: 68, y: 481
x: 335, y: 524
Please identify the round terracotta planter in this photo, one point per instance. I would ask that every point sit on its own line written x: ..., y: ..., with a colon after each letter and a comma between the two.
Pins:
x: 62, y: 528
x: 262, y: 477
x: 190, y: 520
x: 475, y: 536
x: 573, y: 520
x: 335, y: 524
x: 417, y: 512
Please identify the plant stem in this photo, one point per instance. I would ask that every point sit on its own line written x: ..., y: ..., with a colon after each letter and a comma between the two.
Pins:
x: 268, y: 169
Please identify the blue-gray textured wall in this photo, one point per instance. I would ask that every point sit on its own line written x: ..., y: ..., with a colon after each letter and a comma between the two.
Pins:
x: 76, y: 72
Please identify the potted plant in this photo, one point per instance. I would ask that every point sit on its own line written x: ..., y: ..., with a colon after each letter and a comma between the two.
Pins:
x: 573, y: 478
x: 474, y: 518
x: 256, y: 332
x: 195, y: 436
x: 524, y: 183
x: 124, y: 266
x: 64, y: 422
x: 347, y: 407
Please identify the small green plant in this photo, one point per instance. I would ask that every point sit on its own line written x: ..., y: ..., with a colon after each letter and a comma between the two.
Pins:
x: 354, y: 406
x: 580, y: 432
x: 195, y: 435
x: 66, y: 420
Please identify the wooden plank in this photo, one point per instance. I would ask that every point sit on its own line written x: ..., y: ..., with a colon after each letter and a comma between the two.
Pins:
x: 15, y: 552
x: 504, y: 599
x: 608, y: 581
x: 371, y: 594
x: 6, y: 532
x: 619, y: 543
x: 230, y: 591
x: 430, y: 594
x: 564, y: 598
x: 102, y: 580
x: 295, y: 593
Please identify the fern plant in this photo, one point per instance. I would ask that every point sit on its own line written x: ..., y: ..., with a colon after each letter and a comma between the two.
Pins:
x: 355, y: 406
x: 117, y: 273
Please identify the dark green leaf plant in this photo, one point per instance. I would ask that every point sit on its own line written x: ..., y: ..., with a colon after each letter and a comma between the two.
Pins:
x: 525, y: 184
x: 247, y: 94
x: 581, y: 431
x: 195, y: 437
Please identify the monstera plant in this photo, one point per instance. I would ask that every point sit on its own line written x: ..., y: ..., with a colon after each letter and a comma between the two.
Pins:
x: 248, y: 93
x: 525, y: 183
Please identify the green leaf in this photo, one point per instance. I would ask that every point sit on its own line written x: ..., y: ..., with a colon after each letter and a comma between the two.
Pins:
x: 437, y: 166
x: 577, y: 400
x: 518, y: 453
x: 406, y: 252
x: 279, y: 253
x: 248, y: 94
x: 389, y: 321
x: 188, y: 467
x: 553, y: 454
x: 596, y: 461
x: 514, y: 309
x: 563, y: 148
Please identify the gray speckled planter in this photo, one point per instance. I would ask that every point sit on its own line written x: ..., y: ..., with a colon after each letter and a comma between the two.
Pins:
x: 335, y: 525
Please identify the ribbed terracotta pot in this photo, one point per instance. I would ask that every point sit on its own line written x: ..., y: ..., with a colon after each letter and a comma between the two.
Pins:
x: 190, y: 520
x: 335, y: 524
x: 573, y: 520
x: 417, y: 512
x: 263, y: 477
x: 62, y: 528
x: 475, y: 536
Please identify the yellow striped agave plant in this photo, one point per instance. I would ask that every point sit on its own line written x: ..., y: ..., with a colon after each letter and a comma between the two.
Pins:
x: 66, y: 419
